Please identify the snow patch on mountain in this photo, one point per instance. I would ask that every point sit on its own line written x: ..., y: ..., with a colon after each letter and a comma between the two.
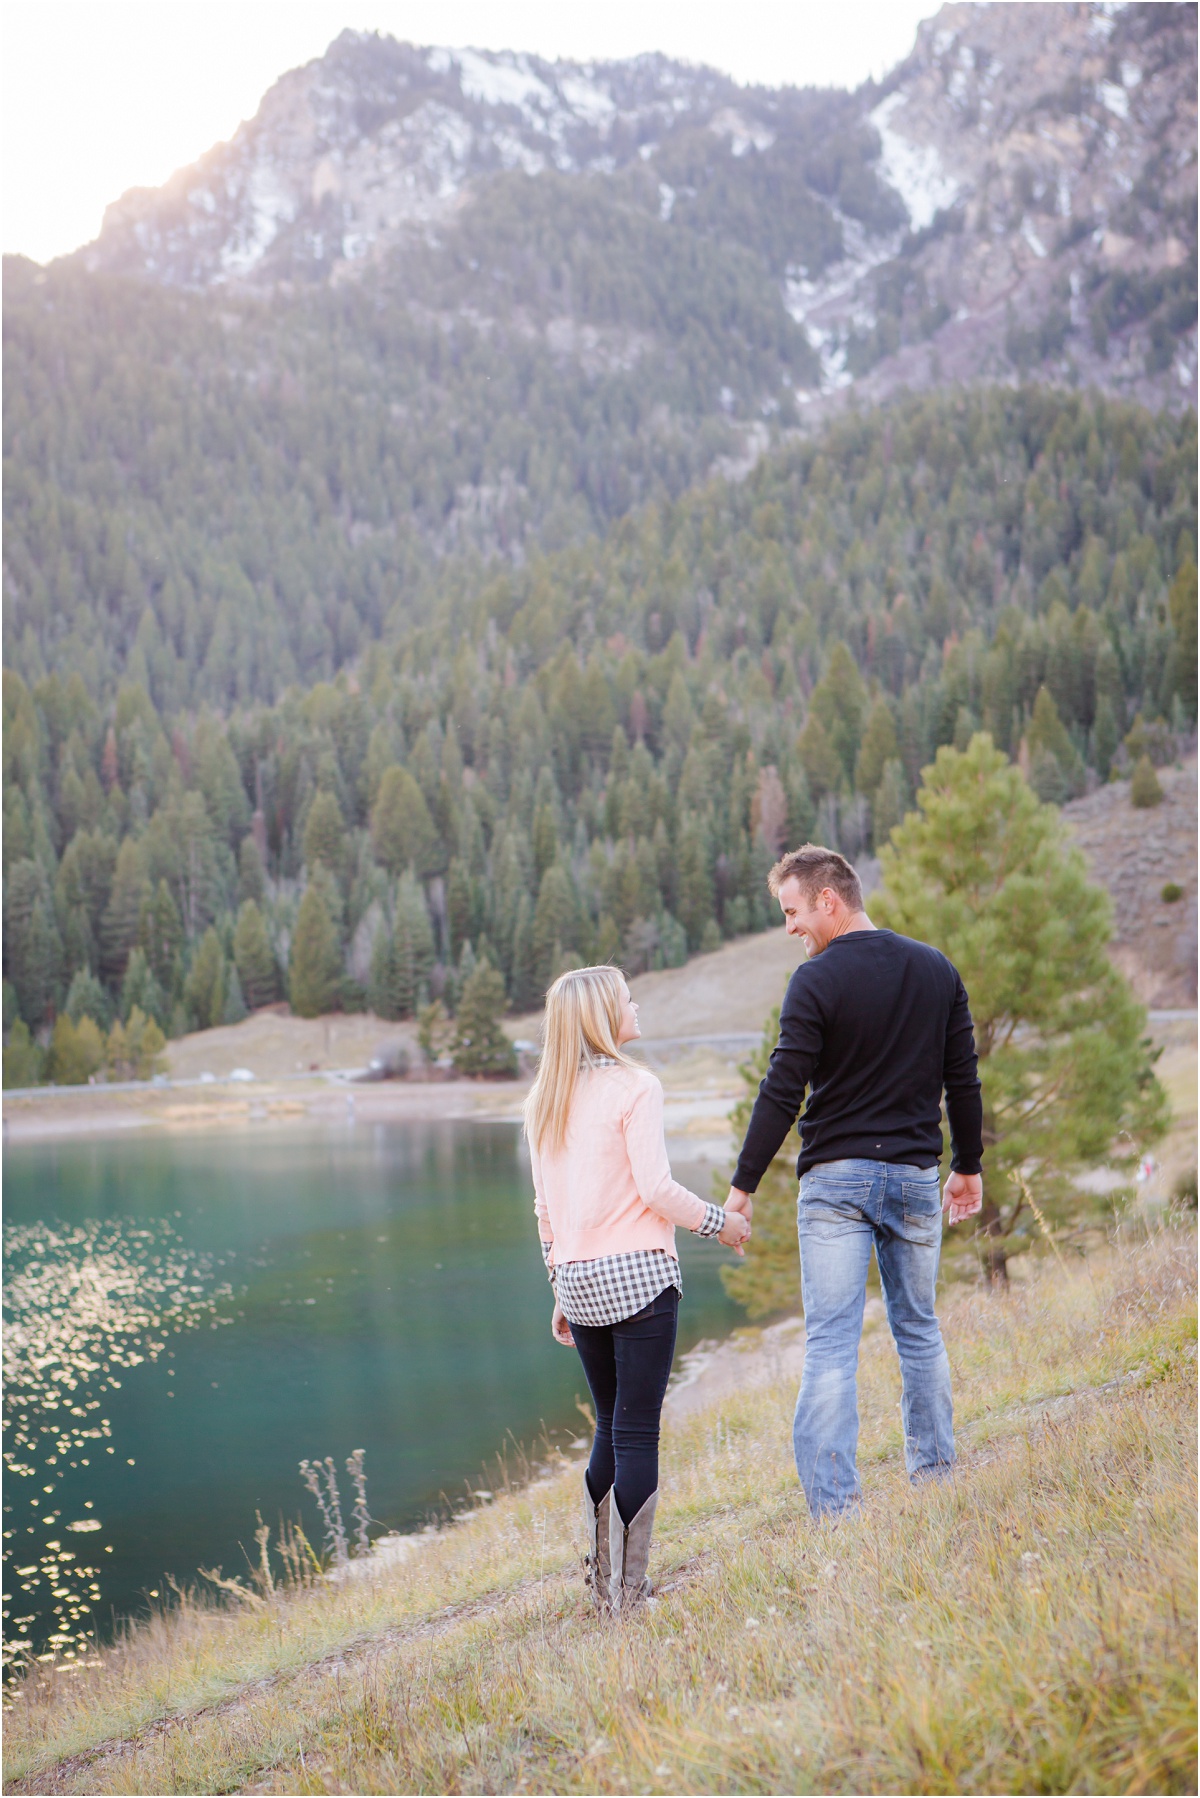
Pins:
x: 914, y: 170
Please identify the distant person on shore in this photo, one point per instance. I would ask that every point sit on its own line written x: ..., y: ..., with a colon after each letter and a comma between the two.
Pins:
x: 606, y: 1209
x: 876, y: 1026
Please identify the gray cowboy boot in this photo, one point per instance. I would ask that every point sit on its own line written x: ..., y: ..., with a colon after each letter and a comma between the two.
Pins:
x: 596, y: 1562
x: 630, y: 1555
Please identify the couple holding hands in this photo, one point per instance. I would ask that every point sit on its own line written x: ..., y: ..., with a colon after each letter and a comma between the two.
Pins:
x: 876, y: 1027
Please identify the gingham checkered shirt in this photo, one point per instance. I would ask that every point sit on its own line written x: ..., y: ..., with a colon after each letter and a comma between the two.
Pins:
x: 613, y: 1287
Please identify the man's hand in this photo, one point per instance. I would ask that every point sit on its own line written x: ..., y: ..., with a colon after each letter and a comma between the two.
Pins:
x: 964, y: 1197
x: 740, y: 1201
x: 736, y: 1231
x: 560, y: 1329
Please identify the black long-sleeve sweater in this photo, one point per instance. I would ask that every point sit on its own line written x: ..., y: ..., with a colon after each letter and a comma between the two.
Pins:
x: 878, y: 1025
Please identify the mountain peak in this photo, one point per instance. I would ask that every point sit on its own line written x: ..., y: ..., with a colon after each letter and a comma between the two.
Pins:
x: 1019, y: 192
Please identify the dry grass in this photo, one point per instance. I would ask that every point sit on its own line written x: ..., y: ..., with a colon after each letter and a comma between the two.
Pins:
x: 1030, y: 1627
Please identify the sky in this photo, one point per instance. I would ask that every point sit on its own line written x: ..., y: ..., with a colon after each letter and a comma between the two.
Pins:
x: 103, y: 95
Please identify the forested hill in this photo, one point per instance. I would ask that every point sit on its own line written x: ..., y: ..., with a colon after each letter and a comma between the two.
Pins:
x: 600, y: 752
x: 427, y: 304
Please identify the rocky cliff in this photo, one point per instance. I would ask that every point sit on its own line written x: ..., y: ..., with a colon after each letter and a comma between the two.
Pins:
x: 1018, y: 197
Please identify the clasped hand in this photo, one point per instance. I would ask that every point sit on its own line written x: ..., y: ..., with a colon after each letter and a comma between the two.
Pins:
x: 739, y: 1211
x: 736, y: 1231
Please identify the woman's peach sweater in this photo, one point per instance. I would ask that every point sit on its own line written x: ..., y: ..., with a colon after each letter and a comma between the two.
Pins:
x: 609, y: 1190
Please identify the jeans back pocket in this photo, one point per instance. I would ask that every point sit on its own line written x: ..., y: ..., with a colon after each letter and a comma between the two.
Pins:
x: 922, y: 1199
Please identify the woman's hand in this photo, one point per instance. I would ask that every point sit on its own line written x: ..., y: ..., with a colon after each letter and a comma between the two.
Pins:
x: 736, y: 1231
x: 560, y: 1329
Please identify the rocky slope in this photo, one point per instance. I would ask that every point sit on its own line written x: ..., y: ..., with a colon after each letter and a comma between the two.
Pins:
x: 1019, y: 196
x: 1139, y: 855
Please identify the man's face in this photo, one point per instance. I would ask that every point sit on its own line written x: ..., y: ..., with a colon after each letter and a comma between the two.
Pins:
x: 813, y: 921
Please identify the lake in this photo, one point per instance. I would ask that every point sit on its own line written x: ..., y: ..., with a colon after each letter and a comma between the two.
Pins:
x: 191, y: 1316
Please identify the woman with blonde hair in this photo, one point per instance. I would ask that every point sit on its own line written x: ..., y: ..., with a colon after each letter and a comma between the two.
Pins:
x: 606, y: 1209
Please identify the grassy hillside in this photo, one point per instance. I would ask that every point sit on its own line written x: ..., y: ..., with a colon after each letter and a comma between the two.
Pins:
x: 1029, y: 1628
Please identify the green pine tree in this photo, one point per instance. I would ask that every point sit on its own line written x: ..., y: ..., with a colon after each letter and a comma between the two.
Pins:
x: 252, y: 880
x: 402, y: 832
x: 1182, y: 605
x: 1145, y: 788
x: 32, y: 949
x: 892, y: 801
x: 983, y: 873
x: 204, y: 988
x: 140, y: 988
x: 23, y: 1060
x: 555, y: 925
x: 695, y: 903
x: 76, y: 1051
x: 160, y: 936
x: 1055, y: 768
x: 880, y: 745
x: 119, y: 926
x: 258, y: 973
x: 413, y: 949
x: 480, y: 1045
x: 315, y: 967
x: 325, y: 835
x: 86, y: 998
x: 234, y: 1009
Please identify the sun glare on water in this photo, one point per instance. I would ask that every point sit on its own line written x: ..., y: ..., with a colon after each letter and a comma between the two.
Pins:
x: 82, y: 1306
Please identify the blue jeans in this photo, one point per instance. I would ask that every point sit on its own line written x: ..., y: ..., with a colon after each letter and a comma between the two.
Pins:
x: 845, y: 1209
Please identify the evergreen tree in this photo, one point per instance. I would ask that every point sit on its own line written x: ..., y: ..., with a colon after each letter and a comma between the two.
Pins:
x: 258, y: 974
x: 1106, y: 736
x: 204, y: 989
x: 459, y: 906
x: 139, y: 988
x: 555, y: 925
x: 413, y: 949
x: 325, y: 835
x: 1145, y: 789
x: 402, y: 831
x: 526, y: 993
x: 1182, y: 605
x: 32, y: 951
x: 119, y: 927
x: 480, y: 1045
x: 86, y: 998
x: 839, y: 700
x: 160, y: 937
x: 252, y: 880
x: 435, y: 1033
x: 402, y: 959
x: 695, y: 905
x: 892, y: 801
x: 76, y: 1052
x: 1055, y: 769
x: 880, y: 745
x: 983, y: 873
x: 818, y: 758
x: 23, y: 1060
x: 235, y: 1006
x: 134, y: 1050
x: 316, y: 960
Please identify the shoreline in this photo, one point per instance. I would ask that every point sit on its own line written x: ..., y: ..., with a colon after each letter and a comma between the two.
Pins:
x: 699, y: 1077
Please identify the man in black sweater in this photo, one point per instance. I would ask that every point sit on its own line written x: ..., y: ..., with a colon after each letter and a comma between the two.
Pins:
x: 876, y: 1026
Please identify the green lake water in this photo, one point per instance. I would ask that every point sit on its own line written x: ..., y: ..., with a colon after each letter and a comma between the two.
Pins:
x: 190, y: 1316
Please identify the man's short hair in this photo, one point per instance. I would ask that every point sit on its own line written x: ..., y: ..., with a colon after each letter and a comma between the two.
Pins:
x: 816, y: 868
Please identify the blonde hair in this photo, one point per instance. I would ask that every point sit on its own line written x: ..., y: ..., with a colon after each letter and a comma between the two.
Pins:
x: 580, y: 1028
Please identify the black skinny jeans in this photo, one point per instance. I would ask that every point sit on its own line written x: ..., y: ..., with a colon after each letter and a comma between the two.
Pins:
x: 627, y: 1367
